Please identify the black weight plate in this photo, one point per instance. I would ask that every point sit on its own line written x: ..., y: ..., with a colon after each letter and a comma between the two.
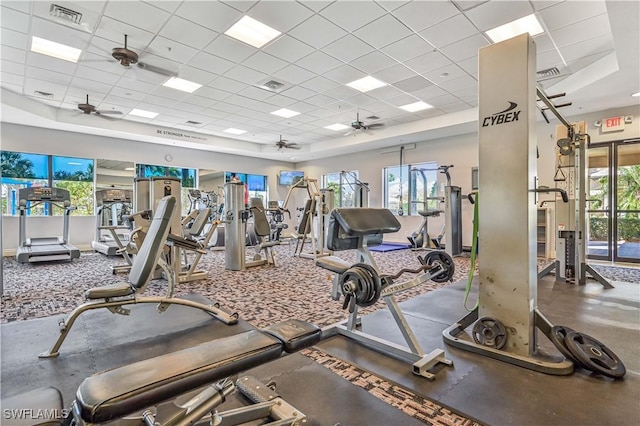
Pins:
x: 557, y: 336
x: 490, y: 332
x: 594, y: 355
x: 445, y: 260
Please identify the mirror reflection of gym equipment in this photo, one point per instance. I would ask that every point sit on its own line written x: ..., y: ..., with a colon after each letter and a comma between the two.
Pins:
x: 45, y: 249
x: 112, y: 232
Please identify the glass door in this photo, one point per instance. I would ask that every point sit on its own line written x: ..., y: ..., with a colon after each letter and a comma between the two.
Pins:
x: 626, y: 215
x: 598, y: 219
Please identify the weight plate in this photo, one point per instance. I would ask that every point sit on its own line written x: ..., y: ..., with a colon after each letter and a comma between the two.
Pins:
x: 440, y: 257
x: 594, y: 355
x: 490, y: 332
x: 557, y: 336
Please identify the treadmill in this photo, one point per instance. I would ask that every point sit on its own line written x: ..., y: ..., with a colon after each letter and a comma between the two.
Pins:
x: 45, y: 249
x: 111, y: 234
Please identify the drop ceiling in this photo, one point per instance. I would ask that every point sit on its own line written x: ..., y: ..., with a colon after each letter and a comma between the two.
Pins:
x: 424, y: 51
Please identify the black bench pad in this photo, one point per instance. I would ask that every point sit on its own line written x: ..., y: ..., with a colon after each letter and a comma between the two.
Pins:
x: 333, y: 264
x: 356, y: 222
x: 295, y: 334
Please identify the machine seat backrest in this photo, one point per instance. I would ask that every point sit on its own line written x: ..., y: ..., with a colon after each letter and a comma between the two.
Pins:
x: 260, y: 221
x: 199, y: 222
x: 347, y: 225
x: 147, y: 258
x: 305, y: 221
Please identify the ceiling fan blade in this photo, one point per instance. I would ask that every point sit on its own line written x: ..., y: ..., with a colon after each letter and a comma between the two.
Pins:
x: 374, y: 125
x: 156, y: 69
x: 102, y: 112
x: 349, y: 133
x: 292, y: 146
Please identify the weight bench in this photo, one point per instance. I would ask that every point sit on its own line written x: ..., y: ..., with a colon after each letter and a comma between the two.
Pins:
x: 115, y: 296
x: 141, y: 386
x: 362, y: 284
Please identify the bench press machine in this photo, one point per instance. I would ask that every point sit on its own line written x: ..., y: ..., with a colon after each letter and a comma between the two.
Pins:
x: 115, y: 296
x: 145, y: 392
x: 361, y: 283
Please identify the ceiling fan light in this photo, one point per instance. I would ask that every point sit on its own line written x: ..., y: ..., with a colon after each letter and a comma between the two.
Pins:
x: 56, y: 50
x: 143, y: 113
x: 528, y: 24
x: 252, y: 32
x: 182, y: 84
x: 336, y: 127
x: 366, y: 84
x: 416, y: 106
x: 636, y: 94
x: 286, y: 113
x: 234, y: 131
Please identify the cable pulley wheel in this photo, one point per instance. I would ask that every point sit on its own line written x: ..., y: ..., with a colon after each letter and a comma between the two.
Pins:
x: 490, y: 332
x: 594, y: 355
x: 441, y: 258
x: 360, y: 285
x: 557, y: 337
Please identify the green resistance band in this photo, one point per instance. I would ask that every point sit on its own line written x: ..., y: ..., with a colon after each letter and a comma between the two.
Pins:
x: 474, y: 249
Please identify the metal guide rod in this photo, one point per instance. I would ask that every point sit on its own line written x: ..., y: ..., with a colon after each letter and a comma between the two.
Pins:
x: 543, y: 97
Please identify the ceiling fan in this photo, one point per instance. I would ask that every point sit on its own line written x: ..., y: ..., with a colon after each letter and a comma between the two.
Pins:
x: 128, y: 57
x: 87, y: 108
x: 283, y: 143
x: 359, y: 125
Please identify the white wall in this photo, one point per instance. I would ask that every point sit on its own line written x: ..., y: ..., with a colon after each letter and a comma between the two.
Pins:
x: 462, y: 152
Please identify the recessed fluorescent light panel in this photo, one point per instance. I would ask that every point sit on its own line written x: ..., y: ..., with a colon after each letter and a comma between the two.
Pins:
x: 336, y: 127
x: 234, y: 131
x: 528, y: 24
x: 143, y: 113
x: 286, y: 113
x: 636, y: 94
x: 252, y: 32
x: 367, y: 83
x: 57, y: 50
x: 182, y: 84
x: 416, y: 106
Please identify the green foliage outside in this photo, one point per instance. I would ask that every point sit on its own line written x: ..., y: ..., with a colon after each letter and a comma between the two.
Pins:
x: 14, y: 165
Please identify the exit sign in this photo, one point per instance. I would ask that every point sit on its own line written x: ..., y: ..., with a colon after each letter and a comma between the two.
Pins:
x: 613, y: 124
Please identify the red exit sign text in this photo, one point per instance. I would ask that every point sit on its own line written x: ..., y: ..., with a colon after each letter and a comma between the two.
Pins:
x: 613, y: 124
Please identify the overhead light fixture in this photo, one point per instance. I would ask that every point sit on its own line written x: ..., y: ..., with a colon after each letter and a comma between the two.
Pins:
x: 129, y: 169
x: 286, y: 113
x: 234, y: 131
x: 366, y: 83
x: 252, y: 32
x: 182, y: 84
x: 636, y: 94
x: 56, y: 50
x: 416, y: 106
x: 336, y: 127
x: 528, y: 24
x: 143, y: 113
x: 72, y: 163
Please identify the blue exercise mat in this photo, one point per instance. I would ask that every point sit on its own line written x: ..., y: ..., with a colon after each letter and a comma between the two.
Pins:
x: 384, y: 247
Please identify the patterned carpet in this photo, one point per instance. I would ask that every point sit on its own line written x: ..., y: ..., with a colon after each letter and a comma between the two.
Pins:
x: 262, y: 296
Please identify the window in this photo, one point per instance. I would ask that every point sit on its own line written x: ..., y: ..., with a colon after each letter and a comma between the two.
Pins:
x: 344, y: 187
x: 22, y: 170
x: 409, y: 188
x: 187, y: 179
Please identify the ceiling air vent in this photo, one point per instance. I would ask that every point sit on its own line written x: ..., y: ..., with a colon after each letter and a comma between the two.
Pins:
x: 63, y: 13
x: 43, y: 94
x: 193, y: 122
x: 271, y: 85
x: 372, y: 117
x: 553, y: 72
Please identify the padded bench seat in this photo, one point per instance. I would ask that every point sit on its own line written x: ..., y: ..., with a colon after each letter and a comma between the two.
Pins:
x: 39, y: 401
x: 115, y: 393
x: 333, y: 264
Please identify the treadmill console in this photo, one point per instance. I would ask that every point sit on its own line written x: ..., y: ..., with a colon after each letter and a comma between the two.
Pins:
x: 56, y: 195
x: 114, y: 196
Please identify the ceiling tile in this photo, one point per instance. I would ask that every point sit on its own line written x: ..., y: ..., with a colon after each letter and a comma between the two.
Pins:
x: 169, y: 93
x: 401, y: 100
x: 168, y: 5
x: 570, y: 12
x: 319, y: 84
x: 373, y: 62
x: 14, y: 20
x: 22, y: 6
x: 429, y: 93
x: 317, y: 32
x: 294, y: 74
x: 226, y: 107
x: 200, y: 101
x: 210, y: 14
x: 392, y: 5
x: 12, y: 81
x: 230, y: 49
x: 59, y: 33
x: 455, y: 107
x: 240, y: 101
x: 129, y: 82
x: 279, y: 101
x: 360, y: 100
x: 226, y: 84
x: 548, y: 59
x: 466, y: 48
x: 393, y: 74
x: 288, y: 49
x: 352, y: 15
x: 589, y: 28
x: 101, y: 62
x: 17, y: 88
x: 383, y: 32
x: 245, y: 75
x: 428, y: 62
x: 588, y: 47
x: 14, y: 39
x: 13, y: 67
x: 318, y: 62
x: 443, y: 100
x: 495, y: 13
x: 186, y: 32
x: 172, y: 50
x: 469, y: 65
x: 316, y: 5
x: 441, y: 34
x: 320, y: 100
x: 33, y: 84
x: 265, y: 63
x: 301, y: 107
x: 543, y: 43
x: 114, y: 100
x: 133, y: 95
x: 280, y: 15
x: 50, y: 63
x: 97, y: 75
x: 347, y: 48
x: 255, y: 93
x: 196, y: 75
x: 461, y: 83
x: 413, y: 84
x: 137, y: 14
x: 211, y: 63
x: 419, y: 15
x: 345, y: 74
x: 240, y: 5
x: 12, y: 54
x: 408, y: 48
x: 114, y: 31
x: 298, y: 92
x: 341, y: 92
x: 385, y: 92
x: 450, y: 72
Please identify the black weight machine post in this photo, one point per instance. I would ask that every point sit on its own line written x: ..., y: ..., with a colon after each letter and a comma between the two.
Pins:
x: 360, y: 189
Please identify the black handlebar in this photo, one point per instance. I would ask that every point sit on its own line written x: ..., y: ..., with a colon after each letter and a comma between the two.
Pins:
x: 563, y: 193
